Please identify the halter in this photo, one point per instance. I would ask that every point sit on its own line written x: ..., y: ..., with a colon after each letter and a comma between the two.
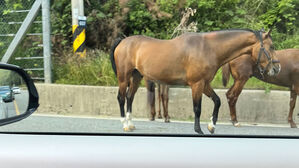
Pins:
x: 263, y: 50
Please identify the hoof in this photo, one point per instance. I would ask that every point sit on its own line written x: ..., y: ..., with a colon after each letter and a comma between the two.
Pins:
x: 199, y: 131
x: 132, y: 127
x: 237, y: 124
x: 159, y: 116
x: 293, y: 125
x: 211, y: 128
x: 127, y: 129
x: 167, y: 120
x: 152, y: 119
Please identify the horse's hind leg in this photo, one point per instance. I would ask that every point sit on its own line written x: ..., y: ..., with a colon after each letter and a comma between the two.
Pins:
x: 165, y: 99
x: 292, y: 106
x: 160, y: 99
x: 134, y: 84
x: 150, y: 86
x: 197, y: 90
x: 121, y: 97
x: 232, y: 97
x: 211, y: 93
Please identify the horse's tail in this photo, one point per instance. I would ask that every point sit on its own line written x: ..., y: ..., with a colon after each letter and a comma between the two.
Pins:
x: 115, y: 44
x: 225, y: 74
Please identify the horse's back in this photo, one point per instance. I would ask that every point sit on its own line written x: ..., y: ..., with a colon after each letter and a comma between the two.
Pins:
x: 289, y: 57
x: 141, y: 38
x: 128, y: 46
x: 134, y: 43
x: 292, y: 56
x: 292, y: 52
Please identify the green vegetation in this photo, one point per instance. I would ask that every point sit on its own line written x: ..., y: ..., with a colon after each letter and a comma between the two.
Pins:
x: 10, y: 78
x: 109, y: 19
x: 94, y: 70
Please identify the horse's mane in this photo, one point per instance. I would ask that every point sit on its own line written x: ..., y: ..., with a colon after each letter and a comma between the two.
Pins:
x: 256, y: 32
x: 245, y: 29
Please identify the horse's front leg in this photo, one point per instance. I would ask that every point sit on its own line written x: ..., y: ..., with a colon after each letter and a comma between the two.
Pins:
x: 211, y: 93
x: 197, y: 90
x: 292, y: 106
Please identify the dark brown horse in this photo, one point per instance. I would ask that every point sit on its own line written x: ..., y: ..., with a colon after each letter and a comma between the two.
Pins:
x: 163, y: 90
x: 244, y: 67
x: 189, y: 59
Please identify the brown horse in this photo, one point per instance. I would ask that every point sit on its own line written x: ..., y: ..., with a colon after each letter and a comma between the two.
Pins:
x: 163, y: 90
x: 189, y: 59
x: 244, y: 67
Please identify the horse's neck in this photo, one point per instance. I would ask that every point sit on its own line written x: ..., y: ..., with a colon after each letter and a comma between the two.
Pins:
x: 229, y: 49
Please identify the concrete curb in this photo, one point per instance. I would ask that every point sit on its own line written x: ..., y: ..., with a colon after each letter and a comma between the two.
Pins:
x: 254, y: 106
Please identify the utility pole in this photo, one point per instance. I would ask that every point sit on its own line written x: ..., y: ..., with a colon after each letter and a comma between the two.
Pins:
x: 78, y: 26
x: 47, y: 41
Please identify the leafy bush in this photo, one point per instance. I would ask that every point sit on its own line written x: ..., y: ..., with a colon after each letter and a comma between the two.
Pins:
x: 284, y: 41
x: 94, y: 70
x: 61, y: 21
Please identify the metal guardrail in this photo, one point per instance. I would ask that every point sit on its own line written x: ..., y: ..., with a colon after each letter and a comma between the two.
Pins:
x: 37, y: 78
x: 34, y: 69
x: 28, y: 34
x: 18, y: 11
x: 27, y: 58
x: 37, y: 22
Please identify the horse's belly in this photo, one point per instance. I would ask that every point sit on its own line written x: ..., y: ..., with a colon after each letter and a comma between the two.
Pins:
x: 173, y: 82
x: 165, y: 78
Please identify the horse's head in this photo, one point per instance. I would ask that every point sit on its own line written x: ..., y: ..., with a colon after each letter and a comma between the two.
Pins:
x: 264, y: 54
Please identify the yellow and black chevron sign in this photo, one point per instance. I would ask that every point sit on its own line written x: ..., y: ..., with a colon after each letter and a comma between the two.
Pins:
x: 79, y: 40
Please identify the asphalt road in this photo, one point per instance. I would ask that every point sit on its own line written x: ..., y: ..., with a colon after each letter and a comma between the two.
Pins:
x: 16, y: 107
x: 44, y: 123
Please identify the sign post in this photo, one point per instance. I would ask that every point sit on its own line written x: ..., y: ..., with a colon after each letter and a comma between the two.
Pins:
x: 79, y: 27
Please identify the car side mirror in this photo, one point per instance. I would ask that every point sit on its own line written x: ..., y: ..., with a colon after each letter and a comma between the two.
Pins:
x: 18, y: 95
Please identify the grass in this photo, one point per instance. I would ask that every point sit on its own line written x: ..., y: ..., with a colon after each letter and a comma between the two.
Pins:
x: 96, y: 70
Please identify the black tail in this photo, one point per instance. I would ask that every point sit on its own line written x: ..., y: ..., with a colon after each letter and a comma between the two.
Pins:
x: 115, y: 44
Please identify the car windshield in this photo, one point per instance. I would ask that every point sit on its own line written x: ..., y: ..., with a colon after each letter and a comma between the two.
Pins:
x: 181, y: 67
